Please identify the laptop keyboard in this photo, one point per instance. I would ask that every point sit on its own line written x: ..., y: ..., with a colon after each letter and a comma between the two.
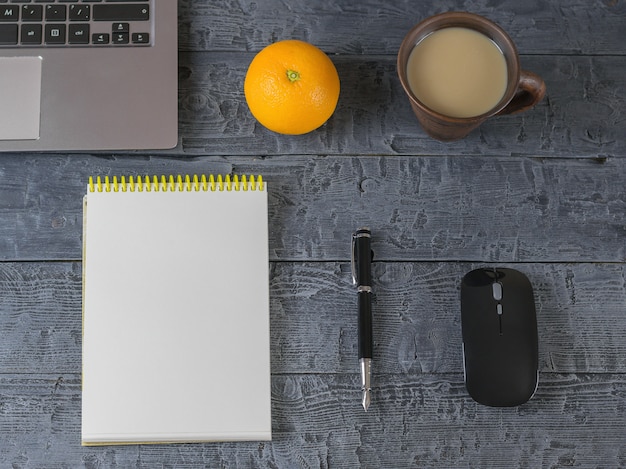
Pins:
x: 76, y: 23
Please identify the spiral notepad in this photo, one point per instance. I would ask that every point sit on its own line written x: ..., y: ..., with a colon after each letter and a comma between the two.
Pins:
x: 175, y: 310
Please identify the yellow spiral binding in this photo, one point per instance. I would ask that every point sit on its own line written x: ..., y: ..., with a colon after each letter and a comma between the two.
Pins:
x: 178, y: 183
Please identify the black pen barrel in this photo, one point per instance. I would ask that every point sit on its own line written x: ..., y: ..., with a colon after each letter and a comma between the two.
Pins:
x: 365, y: 324
x: 363, y: 258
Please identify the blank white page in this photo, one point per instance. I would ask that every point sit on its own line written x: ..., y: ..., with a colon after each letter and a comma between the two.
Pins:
x: 175, y: 317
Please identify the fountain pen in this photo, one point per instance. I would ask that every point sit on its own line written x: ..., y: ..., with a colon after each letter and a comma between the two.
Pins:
x: 362, y: 276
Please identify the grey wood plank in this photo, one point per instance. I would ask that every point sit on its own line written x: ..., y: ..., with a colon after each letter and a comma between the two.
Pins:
x: 417, y: 327
x: 373, y: 28
x: 40, y: 317
x: 317, y: 421
x: 580, y: 309
x: 478, y: 208
x: 581, y: 116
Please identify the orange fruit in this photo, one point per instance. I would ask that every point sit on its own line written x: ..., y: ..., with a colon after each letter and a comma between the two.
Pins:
x: 291, y: 87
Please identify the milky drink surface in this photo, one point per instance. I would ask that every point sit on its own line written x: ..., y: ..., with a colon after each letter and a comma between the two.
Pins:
x: 457, y: 72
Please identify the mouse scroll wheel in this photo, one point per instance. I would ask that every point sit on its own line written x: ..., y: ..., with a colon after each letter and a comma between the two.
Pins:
x: 497, y: 291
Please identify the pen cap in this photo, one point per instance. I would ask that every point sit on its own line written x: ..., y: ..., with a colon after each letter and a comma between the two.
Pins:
x: 362, y: 257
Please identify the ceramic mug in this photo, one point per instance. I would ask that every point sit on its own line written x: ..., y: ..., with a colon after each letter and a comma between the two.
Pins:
x: 521, y: 90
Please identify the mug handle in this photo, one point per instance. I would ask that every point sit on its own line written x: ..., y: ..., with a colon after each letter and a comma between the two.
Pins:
x: 530, y: 91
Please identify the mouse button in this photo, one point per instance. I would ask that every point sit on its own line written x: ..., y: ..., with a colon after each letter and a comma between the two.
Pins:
x: 496, y: 288
x: 512, y: 278
x: 502, y: 272
x: 479, y: 278
x: 519, y: 312
x: 475, y: 308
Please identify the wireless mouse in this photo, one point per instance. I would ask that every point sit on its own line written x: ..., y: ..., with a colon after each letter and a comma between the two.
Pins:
x: 500, y: 343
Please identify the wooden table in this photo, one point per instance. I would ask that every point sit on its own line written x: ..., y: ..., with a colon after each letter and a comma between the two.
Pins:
x: 543, y: 192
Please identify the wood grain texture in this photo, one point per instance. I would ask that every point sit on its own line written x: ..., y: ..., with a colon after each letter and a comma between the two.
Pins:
x: 581, y: 116
x: 580, y: 314
x: 317, y: 421
x: 371, y: 27
x: 479, y: 208
x: 580, y: 311
x: 40, y: 317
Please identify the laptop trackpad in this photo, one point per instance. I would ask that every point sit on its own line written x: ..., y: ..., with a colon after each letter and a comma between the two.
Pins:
x: 20, y: 98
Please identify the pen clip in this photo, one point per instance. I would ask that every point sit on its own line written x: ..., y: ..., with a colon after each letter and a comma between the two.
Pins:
x: 353, y: 260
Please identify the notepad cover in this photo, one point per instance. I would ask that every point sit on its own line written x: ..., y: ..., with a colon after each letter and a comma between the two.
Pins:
x: 175, y: 317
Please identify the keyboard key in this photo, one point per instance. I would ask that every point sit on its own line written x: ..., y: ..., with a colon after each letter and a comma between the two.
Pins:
x: 120, y: 38
x: 56, y: 12
x: 31, y: 34
x: 10, y: 13
x: 78, y: 33
x: 80, y: 12
x: 8, y: 34
x: 120, y: 28
x: 120, y: 12
x: 55, y: 34
x: 100, y: 38
x: 141, y: 38
x: 32, y: 13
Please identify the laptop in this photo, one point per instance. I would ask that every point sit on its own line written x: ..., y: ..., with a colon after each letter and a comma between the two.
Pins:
x: 83, y: 75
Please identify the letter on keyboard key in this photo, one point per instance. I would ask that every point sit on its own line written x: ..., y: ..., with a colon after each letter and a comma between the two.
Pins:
x: 10, y: 13
x: 78, y: 33
x: 120, y: 12
x: 31, y: 34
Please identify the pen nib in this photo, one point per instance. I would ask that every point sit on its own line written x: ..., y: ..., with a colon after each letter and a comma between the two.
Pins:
x: 367, y: 399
